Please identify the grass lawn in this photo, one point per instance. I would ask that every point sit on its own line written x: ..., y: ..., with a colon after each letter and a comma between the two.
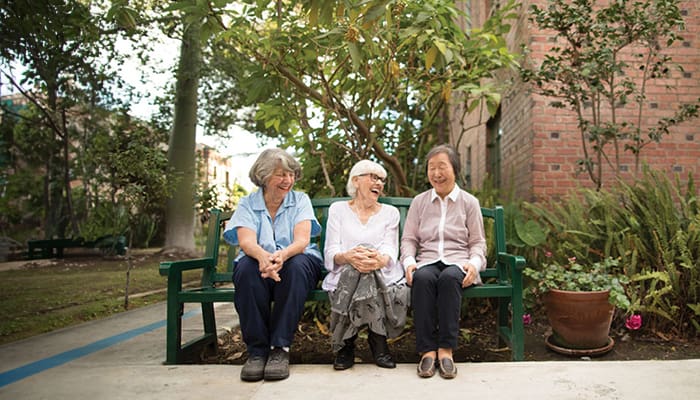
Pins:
x: 41, y: 297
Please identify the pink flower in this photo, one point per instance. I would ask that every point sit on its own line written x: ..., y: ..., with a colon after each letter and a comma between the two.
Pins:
x: 527, y: 319
x: 634, y: 322
x: 548, y: 254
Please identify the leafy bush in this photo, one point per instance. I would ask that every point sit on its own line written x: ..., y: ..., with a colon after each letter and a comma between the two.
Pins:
x: 652, y: 226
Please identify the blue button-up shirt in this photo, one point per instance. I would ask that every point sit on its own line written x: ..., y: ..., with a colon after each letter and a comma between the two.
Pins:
x: 272, y: 236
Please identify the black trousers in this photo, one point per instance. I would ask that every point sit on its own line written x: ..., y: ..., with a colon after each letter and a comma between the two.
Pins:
x: 436, y: 298
x: 269, y: 311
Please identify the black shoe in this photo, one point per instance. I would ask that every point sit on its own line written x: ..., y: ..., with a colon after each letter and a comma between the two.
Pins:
x: 344, y: 359
x: 277, y: 367
x: 346, y: 356
x: 253, y: 369
x: 380, y: 350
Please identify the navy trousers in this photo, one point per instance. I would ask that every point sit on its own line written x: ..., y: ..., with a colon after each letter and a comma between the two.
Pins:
x: 269, y: 311
x: 436, y: 299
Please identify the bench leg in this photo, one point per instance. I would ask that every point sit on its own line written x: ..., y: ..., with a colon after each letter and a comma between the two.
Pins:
x: 518, y: 330
x: 173, y: 338
x: 209, y: 320
x: 511, y: 332
x: 503, y: 322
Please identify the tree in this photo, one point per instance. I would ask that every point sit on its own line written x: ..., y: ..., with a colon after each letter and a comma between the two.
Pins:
x: 606, y: 56
x: 66, y: 51
x: 136, y: 169
x: 345, y: 80
x: 180, y: 210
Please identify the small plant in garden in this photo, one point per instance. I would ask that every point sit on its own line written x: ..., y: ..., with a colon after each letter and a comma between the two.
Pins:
x: 576, y: 277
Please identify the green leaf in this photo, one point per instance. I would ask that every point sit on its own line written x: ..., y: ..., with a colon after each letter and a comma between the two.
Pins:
x: 375, y: 11
x: 356, y: 55
x: 440, y: 46
x: 430, y: 57
x: 530, y: 232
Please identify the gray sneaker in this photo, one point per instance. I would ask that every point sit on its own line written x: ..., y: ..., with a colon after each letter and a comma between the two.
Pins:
x: 253, y: 369
x: 277, y: 367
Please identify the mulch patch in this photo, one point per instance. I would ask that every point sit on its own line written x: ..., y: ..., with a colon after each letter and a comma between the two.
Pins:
x: 478, y: 343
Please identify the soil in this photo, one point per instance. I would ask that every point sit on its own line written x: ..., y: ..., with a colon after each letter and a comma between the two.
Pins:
x: 478, y: 343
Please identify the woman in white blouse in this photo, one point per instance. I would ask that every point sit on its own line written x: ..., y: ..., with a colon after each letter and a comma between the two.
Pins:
x: 365, y: 282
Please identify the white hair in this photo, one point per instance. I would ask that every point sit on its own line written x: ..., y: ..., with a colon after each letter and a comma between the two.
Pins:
x: 360, y: 168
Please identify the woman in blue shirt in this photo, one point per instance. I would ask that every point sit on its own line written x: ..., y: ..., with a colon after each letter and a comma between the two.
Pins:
x: 277, y: 263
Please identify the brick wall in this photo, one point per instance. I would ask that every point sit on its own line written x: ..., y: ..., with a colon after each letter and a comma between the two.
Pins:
x: 541, y: 145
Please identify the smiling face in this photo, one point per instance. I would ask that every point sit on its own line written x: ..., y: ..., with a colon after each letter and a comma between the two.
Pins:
x: 441, y: 174
x: 369, y: 186
x: 280, y: 182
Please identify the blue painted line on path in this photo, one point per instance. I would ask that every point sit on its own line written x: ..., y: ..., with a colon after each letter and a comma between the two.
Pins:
x: 30, y: 369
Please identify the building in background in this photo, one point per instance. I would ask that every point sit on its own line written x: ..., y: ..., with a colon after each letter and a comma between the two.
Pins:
x: 222, y: 176
x: 531, y: 149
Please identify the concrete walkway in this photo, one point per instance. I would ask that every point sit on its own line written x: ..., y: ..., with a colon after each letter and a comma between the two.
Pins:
x: 121, y: 358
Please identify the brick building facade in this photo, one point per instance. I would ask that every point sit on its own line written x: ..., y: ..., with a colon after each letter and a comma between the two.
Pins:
x: 532, y: 148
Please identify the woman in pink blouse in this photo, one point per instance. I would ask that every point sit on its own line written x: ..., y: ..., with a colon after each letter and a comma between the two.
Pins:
x: 365, y: 280
x: 443, y: 248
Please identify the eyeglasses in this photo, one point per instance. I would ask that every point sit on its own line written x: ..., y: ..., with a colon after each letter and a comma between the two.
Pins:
x: 375, y: 178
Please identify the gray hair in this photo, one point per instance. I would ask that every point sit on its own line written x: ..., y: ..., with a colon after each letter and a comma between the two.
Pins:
x: 360, y: 168
x: 268, y: 161
x: 451, y: 155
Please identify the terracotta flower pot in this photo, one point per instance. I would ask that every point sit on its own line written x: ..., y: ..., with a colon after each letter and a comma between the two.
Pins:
x: 579, y: 320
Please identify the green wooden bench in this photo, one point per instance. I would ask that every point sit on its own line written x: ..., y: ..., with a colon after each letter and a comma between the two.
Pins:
x: 502, y: 280
x: 50, y: 248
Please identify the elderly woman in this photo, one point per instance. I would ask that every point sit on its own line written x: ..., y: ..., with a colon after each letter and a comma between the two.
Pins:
x: 365, y: 281
x: 443, y: 248
x: 277, y: 263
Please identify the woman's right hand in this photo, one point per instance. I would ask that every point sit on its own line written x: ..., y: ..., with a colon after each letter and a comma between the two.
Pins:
x: 268, y: 266
x: 363, y: 259
x: 409, y: 274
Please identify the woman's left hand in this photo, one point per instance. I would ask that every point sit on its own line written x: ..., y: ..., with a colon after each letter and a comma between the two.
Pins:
x: 277, y: 260
x: 365, y: 260
x: 470, y: 276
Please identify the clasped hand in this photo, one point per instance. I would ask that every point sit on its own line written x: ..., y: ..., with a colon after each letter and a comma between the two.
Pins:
x: 364, y: 259
x: 271, y: 265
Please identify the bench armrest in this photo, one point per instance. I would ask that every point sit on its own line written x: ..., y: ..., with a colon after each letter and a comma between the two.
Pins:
x: 515, y: 263
x: 171, y: 268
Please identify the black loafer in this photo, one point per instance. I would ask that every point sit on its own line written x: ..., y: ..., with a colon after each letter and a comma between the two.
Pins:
x: 448, y: 369
x: 345, y: 358
x: 426, y: 367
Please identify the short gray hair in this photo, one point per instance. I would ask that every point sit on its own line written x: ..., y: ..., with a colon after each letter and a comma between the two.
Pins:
x: 360, y: 168
x: 451, y: 155
x: 269, y: 160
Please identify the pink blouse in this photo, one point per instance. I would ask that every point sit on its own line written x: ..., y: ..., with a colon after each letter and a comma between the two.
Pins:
x: 449, y: 230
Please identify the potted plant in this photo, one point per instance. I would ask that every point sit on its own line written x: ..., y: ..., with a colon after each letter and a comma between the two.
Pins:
x: 580, y: 301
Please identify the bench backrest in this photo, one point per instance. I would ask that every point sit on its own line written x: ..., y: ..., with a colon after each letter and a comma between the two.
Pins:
x: 494, y: 225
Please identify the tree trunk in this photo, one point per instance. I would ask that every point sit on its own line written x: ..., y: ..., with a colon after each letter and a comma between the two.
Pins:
x: 181, y: 150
